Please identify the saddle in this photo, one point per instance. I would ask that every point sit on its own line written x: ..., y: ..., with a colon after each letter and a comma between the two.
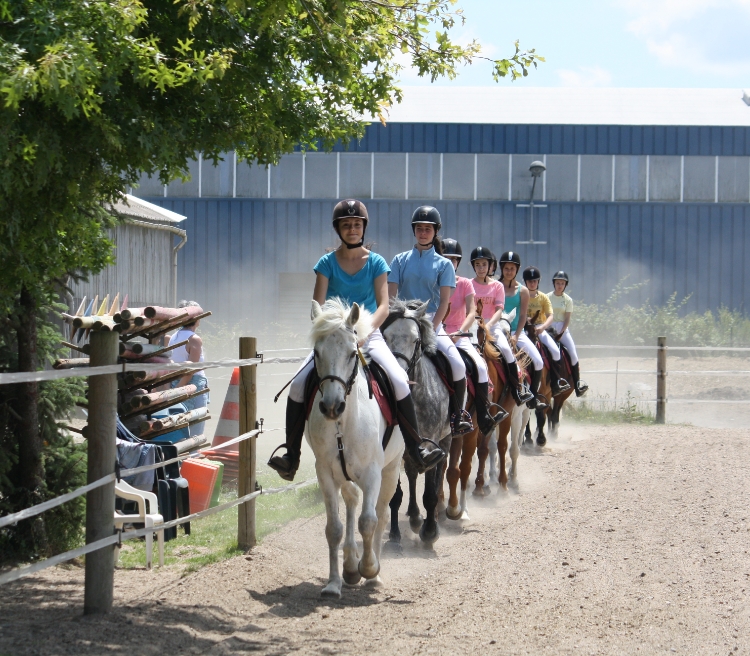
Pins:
x: 380, y: 388
x: 443, y: 367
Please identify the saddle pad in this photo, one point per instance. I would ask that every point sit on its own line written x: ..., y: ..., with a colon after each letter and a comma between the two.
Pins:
x: 500, y: 369
x: 443, y: 368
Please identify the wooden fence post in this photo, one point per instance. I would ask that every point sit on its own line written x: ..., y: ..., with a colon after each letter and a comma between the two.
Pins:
x: 248, y: 415
x: 661, y: 380
x: 102, y: 453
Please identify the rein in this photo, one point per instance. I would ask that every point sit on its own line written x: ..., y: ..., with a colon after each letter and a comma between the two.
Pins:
x: 348, y: 384
x: 410, y: 362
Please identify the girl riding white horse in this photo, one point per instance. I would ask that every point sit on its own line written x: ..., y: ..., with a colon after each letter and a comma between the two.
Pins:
x: 355, y: 275
x: 562, y: 309
x: 423, y: 274
x: 460, y: 320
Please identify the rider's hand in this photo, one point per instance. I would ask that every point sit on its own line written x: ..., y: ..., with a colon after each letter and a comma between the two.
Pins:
x: 361, y: 343
x: 539, y: 330
x: 513, y: 340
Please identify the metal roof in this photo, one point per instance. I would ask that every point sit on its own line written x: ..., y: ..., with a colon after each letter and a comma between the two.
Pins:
x: 138, y: 208
x: 571, y: 106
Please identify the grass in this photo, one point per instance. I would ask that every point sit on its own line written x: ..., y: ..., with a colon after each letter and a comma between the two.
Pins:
x: 214, y: 538
x: 604, y: 410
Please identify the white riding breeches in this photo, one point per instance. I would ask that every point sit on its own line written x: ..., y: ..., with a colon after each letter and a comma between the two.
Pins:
x: 446, y: 346
x: 567, y: 341
x: 378, y: 350
x: 467, y: 347
x: 524, y: 343
x: 546, y: 339
x: 498, y: 336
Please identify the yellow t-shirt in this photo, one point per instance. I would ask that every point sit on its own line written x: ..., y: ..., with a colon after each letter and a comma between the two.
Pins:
x: 560, y: 305
x: 540, y: 303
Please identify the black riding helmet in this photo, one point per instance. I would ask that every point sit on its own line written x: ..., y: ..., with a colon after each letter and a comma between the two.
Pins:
x: 561, y: 275
x: 350, y: 209
x: 510, y: 257
x: 426, y: 214
x: 482, y: 253
x: 531, y: 273
x: 451, y: 248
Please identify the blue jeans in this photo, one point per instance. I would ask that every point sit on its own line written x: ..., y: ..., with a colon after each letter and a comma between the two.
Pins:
x: 200, y: 401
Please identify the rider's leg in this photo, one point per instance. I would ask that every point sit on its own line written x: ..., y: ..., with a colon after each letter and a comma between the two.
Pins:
x: 557, y: 382
x: 460, y: 421
x: 378, y: 350
x: 524, y: 343
x: 567, y: 341
x: 511, y: 366
x: 486, y: 420
x: 287, y: 464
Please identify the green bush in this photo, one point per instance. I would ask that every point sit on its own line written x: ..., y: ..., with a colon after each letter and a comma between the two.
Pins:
x: 616, y: 323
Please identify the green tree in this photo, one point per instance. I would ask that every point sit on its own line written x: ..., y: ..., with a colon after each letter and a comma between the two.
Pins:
x: 94, y: 93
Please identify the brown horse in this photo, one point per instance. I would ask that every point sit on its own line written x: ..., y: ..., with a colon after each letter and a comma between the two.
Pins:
x: 512, y: 425
x: 553, y: 404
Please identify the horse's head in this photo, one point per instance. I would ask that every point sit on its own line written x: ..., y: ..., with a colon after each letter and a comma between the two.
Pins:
x: 531, y: 322
x: 408, y: 332
x: 335, y: 332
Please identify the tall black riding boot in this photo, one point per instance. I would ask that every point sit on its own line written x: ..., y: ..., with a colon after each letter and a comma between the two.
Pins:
x: 287, y: 465
x: 580, y: 386
x: 521, y: 395
x: 558, y: 382
x: 460, y: 419
x: 407, y: 421
x: 486, y: 420
x: 536, y: 381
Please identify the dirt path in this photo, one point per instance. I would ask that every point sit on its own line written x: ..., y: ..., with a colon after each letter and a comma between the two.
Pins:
x: 622, y: 540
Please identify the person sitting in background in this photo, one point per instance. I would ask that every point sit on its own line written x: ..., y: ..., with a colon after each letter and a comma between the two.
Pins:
x: 191, y: 352
x: 562, y: 309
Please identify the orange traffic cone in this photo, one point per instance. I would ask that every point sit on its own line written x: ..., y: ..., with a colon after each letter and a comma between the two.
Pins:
x: 227, y: 429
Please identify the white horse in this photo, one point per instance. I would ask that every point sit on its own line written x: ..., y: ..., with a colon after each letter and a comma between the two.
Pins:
x: 345, y: 420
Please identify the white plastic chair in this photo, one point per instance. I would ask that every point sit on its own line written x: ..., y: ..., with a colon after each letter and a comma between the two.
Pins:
x: 148, y: 519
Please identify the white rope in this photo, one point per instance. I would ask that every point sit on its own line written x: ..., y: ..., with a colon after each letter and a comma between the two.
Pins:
x: 283, y: 360
x: 293, y: 486
x: 299, y: 348
x: 737, y: 349
x: 729, y: 372
x: 53, y: 503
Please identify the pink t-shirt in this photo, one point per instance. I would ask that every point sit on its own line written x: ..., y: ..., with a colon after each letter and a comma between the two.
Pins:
x: 491, y: 296
x: 457, y: 315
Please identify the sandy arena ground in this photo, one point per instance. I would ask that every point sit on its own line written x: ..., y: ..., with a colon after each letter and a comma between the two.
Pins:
x: 622, y: 540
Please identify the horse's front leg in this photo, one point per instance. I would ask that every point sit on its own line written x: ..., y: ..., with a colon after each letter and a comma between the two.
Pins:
x: 412, y: 510
x: 430, y: 532
x: 453, y: 474
x: 493, y: 457
x: 483, y: 450
x: 389, y: 481
x: 516, y: 431
x: 350, y: 492
x: 334, y: 532
x: 541, y: 418
x: 394, y: 536
x: 502, y: 449
x: 369, y: 565
x: 527, y: 432
x: 471, y: 441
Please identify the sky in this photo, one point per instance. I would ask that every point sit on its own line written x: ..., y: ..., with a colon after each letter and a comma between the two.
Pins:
x: 611, y: 43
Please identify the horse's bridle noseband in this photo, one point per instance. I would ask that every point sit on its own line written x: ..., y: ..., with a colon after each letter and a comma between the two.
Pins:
x: 348, y: 384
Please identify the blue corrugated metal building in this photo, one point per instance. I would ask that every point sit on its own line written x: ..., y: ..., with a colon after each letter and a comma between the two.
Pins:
x: 650, y: 184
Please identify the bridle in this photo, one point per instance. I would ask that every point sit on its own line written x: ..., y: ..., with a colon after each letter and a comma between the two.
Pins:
x: 348, y: 384
x: 412, y: 361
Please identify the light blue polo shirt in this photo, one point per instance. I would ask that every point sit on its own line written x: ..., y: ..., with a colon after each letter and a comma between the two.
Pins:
x: 359, y: 288
x: 420, y: 275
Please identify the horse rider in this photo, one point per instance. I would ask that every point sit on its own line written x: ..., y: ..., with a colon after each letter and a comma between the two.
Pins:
x: 492, y: 294
x: 562, y: 309
x: 425, y: 275
x: 459, y: 320
x: 517, y: 298
x: 540, y: 307
x: 355, y: 275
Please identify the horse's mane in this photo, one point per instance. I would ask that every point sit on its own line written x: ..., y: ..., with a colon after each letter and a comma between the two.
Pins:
x: 333, y: 318
x: 401, y: 309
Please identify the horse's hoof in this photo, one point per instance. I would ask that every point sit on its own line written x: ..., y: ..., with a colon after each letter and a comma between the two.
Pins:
x: 331, y: 591
x: 465, y: 516
x: 541, y: 440
x: 374, y: 583
x: 372, y: 573
x: 352, y: 578
x: 415, y: 523
x: 487, y: 490
x: 478, y: 491
x: 431, y: 536
x: 453, y: 513
x: 393, y: 547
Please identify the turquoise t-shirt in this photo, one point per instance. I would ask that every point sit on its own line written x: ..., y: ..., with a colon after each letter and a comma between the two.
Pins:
x: 359, y: 288
x: 420, y: 275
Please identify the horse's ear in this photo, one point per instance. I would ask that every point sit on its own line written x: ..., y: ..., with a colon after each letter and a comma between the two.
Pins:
x: 480, y: 307
x: 512, y: 315
x: 316, y: 310
x: 353, y: 317
x: 421, y: 309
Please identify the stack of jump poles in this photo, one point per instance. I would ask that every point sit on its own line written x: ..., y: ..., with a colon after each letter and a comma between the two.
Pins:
x: 141, y: 393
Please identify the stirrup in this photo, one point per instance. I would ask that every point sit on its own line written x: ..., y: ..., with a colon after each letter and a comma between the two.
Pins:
x: 426, y: 460
x: 524, y: 395
x: 284, y: 465
x: 581, y: 388
x: 461, y: 423
x: 562, y: 385
x: 498, y: 416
